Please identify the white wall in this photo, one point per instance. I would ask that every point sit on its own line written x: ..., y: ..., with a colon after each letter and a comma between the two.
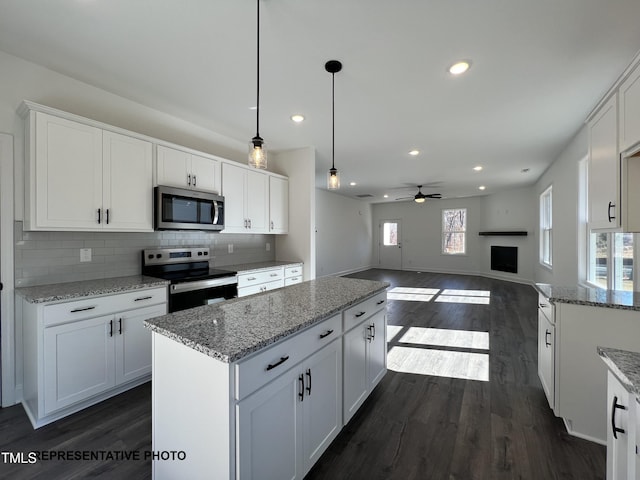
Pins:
x: 343, y: 234
x: 563, y: 176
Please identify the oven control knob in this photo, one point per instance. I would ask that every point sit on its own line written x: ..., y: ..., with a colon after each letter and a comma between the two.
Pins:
x: 150, y: 256
x: 199, y: 254
x: 205, y: 253
x: 158, y: 255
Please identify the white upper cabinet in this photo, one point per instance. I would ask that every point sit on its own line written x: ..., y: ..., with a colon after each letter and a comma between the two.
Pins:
x: 80, y: 177
x: 604, y: 168
x: 278, y: 205
x: 182, y: 169
x: 629, y: 93
x: 246, y: 199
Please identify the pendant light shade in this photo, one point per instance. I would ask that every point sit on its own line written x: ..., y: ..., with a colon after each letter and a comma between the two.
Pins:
x: 257, y: 149
x: 333, y: 178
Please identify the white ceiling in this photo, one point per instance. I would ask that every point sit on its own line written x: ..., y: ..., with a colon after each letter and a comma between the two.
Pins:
x: 538, y: 68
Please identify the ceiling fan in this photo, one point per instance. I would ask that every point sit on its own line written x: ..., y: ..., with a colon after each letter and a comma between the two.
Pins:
x: 421, y: 197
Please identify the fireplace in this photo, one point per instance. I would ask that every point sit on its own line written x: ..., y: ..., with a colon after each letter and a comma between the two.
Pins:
x: 504, y: 259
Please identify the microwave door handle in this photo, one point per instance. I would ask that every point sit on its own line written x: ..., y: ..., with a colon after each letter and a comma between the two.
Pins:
x: 215, y: 212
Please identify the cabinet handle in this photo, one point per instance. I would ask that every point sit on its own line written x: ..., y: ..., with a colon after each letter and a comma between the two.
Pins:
x: 194, y: 180
x: 615, y: 429
x: 143, y: 298
x: 294, y: 271
x: 547, y: 335
x: 271, y: 366
x: 111, y: 328
x: 301, y: 392
x: 106, y: 213
x: 326, y: 334
x: 544, y: 305
x: 98, y: 215
x: 120, y: 326
x: 249, y: 223
x: 189, y: 179
x: 380, y: 302
x: 611, y: 205
x: 83, y: 309
x: 245, y: 223
x: 360, y: 314
x: 273, y: 275
x: 373, y: 329
x: 309, y: 376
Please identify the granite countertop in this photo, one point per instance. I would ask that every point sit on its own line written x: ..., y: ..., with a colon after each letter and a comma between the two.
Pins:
x: 625, y: 365
x: 590, y: 296
x: 87, y: 288
x: 230, y: 330
x: 257, y: 266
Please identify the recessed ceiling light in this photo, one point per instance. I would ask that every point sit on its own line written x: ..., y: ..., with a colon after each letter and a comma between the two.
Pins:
x: 459, y: 67
x: 413, y: 153
x: 477, y: 168
x: 297, y: 118
x: 481, y: 187
x: 353, y: 184
x: 386, y: 196
x: 253, y: 108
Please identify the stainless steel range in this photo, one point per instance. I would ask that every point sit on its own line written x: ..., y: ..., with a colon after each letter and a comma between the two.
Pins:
x: 192, y: 282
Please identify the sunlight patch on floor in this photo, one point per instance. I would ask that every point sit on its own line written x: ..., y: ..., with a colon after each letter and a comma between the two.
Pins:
x: 412, y: 294
x: 463, y: 299
x: 440, y: 363
x: 446, y: 338
x: 393, y: 331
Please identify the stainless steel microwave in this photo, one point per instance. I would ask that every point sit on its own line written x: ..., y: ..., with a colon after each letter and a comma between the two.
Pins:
x: 182, y: 209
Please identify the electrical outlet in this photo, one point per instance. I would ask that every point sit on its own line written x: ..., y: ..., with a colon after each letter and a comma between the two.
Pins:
x: 85, y: 254
x: 230, y: 247
x: 268, y: 247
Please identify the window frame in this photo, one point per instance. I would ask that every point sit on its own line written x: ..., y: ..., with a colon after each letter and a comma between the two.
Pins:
x: 545, y: 255
x: 444, y: 232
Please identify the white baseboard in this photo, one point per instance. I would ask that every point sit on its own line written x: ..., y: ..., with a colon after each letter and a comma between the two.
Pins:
x: 573, y: 433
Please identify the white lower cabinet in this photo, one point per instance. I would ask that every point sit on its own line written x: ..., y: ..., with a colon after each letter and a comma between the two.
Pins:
x: 546, y: 349
x: 81, y: 352
x: 621, y: 435
x: 305, y: 404
x: 365, y: 361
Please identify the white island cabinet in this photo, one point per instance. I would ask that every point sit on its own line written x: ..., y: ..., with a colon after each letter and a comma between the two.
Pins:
x: 252, y: 388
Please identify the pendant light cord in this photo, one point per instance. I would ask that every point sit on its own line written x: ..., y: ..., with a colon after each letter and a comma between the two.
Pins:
x: 258, y: 70
x: 333, y: 120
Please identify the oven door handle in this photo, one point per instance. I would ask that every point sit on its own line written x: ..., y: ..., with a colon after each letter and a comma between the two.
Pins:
x: 202, y: 284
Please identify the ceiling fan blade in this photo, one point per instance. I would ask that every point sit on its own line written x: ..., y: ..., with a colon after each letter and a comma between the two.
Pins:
x: 405, y: 198
x: 433, y: 195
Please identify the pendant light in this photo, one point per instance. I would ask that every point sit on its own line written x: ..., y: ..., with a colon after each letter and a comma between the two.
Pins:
x: 257, y: 149
x: 333, y: 179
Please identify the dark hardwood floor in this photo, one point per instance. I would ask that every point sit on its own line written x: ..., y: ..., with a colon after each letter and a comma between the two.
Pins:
x: 414, y: 426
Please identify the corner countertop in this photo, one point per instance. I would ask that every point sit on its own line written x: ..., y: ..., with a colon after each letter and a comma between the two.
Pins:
x: 625, y: 365
x: 257, y: 266
x: 87, y: 288
x: 230, y: 330
x: 590, y: 296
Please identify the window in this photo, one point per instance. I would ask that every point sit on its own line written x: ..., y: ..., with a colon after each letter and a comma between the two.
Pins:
x: 611, y: 260
x: 546, y: 232
x: 390, y: 234
x: 454, y: 228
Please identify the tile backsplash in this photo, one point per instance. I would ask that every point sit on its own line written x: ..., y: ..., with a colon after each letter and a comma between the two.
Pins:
x: 54, y: 257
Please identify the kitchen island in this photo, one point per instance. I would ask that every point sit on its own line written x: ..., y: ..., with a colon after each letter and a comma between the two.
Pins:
x: 258, y: 387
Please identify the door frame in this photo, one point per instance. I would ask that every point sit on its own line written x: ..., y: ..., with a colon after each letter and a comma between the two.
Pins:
x: 380, y: 238
x: 7, y: 318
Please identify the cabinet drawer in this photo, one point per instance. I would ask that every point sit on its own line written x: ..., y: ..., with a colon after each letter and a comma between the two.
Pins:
x: 93, y: 307
x: 262, y: 287
x: 356, y: 314
x: 264, y: 276
x: 293, y: 271
x: 546, y: 307
x: 292, y: 280
x: 253, y: 373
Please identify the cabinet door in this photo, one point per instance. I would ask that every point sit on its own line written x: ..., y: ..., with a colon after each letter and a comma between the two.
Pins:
x: 546, y: 356
x: 128, y: 183
x: 629, y: 94
x: 322, y: 403
x: 377, y: 348
x: 68, y: 174
x: 205, y: 174
x: 604, y: 208
x: 617, y: 416
x: 173, y: 167
x: 278, y: 205
x: 78, y: 361
x: 257, y: 197
x: 355, y: 371
x: 133, y: 343
x: 233, y: 189
x: 269, y: 428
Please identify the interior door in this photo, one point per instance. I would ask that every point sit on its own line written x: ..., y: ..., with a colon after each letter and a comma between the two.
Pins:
x: 390, y: 245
